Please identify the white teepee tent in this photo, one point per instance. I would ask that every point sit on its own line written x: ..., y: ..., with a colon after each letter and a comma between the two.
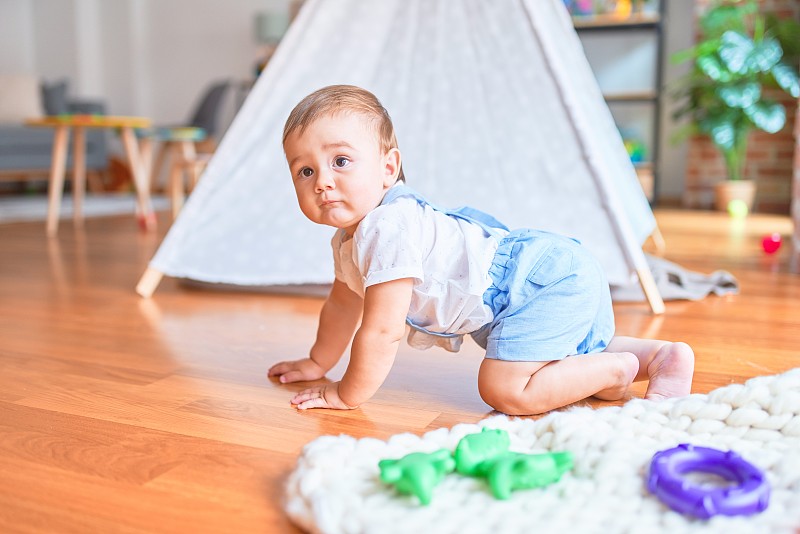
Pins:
x: 494, y: 104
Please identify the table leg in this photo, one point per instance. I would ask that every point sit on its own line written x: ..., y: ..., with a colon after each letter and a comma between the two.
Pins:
x: 189, y: 154
x: 147, y: 218
x: 176, y: 189
x: 56, y: 185
x: 146, y: 150
x: 183, y: 157
x: 78, y: 173
x: 158, y: 165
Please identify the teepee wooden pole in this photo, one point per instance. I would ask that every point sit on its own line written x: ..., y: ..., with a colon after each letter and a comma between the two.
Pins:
x: 658, y: 240
x: 149, y: 282
x: 651, y: 291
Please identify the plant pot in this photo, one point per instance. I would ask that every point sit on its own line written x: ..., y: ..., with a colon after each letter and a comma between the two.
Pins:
x: 744, y: 190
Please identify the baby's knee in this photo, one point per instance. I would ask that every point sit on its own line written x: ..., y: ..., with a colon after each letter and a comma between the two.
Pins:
x: 509, y: 403
x: 508, y: 386
x: 508, y: 398
x: 494, y: 396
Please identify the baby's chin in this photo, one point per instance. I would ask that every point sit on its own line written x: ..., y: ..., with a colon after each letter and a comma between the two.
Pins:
x: 348, y: 226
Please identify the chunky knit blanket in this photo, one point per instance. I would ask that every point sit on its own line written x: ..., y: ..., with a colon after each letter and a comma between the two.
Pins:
x: 336, y: 487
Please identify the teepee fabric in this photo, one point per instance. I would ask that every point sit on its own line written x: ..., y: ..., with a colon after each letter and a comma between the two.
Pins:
x: 494, y: 104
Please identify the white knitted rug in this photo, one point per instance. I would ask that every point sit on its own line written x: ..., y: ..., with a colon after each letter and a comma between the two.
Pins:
x: 335, y: 486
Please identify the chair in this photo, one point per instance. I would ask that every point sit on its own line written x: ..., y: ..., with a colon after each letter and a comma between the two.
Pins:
x: 189, y: 146
x: 206, y: 115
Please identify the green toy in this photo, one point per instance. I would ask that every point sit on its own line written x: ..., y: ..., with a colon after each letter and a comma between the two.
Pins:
x: 417, y: 473
x: 485, y: 455
x: 737, y: 208
x: 513, y: 471
x: 475, y: 449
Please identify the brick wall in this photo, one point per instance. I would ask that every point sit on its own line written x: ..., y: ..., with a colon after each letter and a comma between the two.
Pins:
x: 796, y: 195
x: 770, y: 158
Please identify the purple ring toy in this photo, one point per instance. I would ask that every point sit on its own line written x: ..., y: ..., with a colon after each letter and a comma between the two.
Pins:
x: 666, y: 480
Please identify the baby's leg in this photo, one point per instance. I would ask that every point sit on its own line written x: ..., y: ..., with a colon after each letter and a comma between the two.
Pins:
x: 668, y: 366
x: 526, y: 388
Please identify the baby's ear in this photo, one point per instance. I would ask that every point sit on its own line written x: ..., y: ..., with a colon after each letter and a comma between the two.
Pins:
x: 391, y: 167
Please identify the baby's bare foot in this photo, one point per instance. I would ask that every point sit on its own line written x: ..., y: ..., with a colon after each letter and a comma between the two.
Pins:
x: 626, y: 372
x: 670, y: 372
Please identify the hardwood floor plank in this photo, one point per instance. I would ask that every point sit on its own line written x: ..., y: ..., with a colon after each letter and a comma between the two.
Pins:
x: 255, y: 404
x: 154, y: 415
x: 51, y: 366
x: 129, y: 458
x: 37, y: 498
x: 253, y: 492
x: 119, y: 414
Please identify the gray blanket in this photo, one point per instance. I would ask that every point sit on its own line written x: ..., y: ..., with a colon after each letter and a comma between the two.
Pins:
x: 676, y: 283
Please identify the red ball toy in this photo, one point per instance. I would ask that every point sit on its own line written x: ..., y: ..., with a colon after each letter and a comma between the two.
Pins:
x: 771, y: 243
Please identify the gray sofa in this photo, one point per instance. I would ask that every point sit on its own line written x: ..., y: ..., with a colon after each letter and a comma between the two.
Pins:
x: 25, y: 149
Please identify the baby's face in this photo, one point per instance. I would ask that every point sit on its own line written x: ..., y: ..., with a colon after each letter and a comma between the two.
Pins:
x: 338, y: 170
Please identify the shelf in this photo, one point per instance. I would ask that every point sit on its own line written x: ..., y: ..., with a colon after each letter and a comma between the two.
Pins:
x: 633, y: 96
x: 634, y: 101
x: 646, y: 177
x: 613, y: 21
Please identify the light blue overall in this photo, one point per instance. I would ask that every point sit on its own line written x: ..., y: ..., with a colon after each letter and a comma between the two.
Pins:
x: 549, y: 295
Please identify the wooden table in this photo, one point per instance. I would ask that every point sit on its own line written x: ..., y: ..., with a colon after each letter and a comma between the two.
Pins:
x: 137, y: 158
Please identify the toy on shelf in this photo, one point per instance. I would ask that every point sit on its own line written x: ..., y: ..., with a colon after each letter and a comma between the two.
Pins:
x: 417, y: 473
x: 580, y: 7
x: 622, y: 8
x: 484, y: 454
x: 618, y: 9
x: 771, y: 243
x: 636, y: 150
x: 747, y: 494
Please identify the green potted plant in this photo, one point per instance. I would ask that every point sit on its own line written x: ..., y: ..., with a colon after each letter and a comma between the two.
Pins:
x: 740, y: 54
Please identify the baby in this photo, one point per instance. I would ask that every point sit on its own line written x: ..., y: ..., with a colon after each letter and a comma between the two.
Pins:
x: 537, y: 302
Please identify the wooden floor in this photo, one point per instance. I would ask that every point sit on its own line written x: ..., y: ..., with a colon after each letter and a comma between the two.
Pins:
x: 123, y: 414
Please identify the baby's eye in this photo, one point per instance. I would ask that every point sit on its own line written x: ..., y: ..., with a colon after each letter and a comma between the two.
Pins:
x: 341, y: 161
x: 305, y: 172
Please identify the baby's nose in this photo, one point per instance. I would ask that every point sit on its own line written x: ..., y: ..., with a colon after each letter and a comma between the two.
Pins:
x: 325, y: 181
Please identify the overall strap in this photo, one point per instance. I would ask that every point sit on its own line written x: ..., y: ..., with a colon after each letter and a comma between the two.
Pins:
x: 400, y: 190
x: 489, y: 224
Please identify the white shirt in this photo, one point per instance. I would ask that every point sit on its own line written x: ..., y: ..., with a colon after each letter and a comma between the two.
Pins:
x: 448, y: 258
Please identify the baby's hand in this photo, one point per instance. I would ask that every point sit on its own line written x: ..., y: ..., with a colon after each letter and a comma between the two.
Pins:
x: 326, y: 396
x: 296, y: 371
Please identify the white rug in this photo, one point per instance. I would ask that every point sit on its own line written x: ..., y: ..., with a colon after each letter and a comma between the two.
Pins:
x: 34, y: 208
x: 335, y: 486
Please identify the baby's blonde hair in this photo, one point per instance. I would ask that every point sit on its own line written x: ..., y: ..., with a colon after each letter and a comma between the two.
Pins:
x: 335, y: 99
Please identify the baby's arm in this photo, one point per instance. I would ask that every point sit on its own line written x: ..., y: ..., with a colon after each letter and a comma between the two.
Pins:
x: 337, y: 322
x: 373, y: 352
